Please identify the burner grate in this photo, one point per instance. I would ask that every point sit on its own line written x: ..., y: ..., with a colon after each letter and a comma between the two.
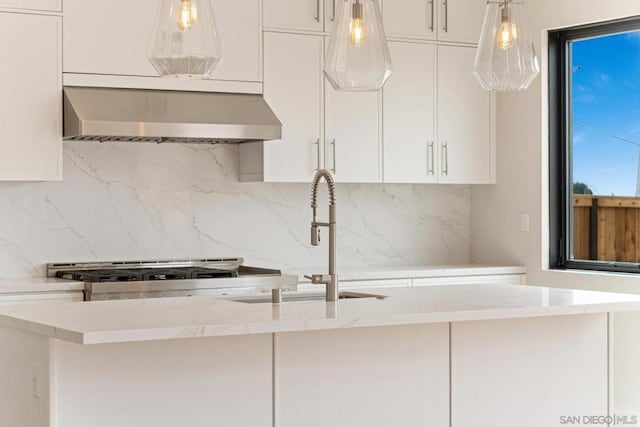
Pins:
x: 145, y: 274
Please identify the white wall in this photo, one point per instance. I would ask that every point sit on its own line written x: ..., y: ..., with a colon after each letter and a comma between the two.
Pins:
x: 522, y: 163
x: 522, y: 151
x: 148, y: 201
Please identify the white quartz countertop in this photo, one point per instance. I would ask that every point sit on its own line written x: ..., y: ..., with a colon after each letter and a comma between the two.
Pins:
x: 38, y: 285
x: 414, y: 271
x: 103, y: 322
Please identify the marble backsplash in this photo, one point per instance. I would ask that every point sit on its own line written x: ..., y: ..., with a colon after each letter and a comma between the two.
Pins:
x: 123, y: 201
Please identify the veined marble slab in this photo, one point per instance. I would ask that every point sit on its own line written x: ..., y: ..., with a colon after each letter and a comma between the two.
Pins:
x: 123, y: 201
x: 193, y: 317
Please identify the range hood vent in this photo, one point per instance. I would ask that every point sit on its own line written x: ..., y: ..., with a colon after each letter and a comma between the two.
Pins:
x: 134, y: 115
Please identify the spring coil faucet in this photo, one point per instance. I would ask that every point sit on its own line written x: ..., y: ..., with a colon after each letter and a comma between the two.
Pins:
x: 329, y: 280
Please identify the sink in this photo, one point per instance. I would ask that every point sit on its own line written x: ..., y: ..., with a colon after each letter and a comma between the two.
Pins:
x: 304, y: 296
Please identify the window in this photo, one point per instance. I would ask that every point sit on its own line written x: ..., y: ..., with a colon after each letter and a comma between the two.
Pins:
x: 594, y: 95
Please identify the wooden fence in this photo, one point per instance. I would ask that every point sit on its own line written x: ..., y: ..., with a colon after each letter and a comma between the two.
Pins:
x: 606, y: 228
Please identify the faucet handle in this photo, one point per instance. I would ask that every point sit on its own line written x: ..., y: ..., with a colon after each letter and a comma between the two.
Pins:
x: 315, y: 235
x: 317, y: 279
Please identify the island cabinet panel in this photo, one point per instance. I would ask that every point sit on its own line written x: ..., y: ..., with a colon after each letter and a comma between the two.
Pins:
x: 202, y: 382
x: 529, y: 372
x: 374, y: 377
x: 23, y: 400
x: 626, y: 354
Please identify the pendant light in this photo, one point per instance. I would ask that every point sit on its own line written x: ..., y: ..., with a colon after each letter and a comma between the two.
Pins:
x: 185, y: 41
x: 358, y: 58
x: 506, y: 58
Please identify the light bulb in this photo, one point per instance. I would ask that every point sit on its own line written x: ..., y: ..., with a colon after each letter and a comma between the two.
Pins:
x: 187, y: 14
x: 356, y: 27
x: 507, y: 33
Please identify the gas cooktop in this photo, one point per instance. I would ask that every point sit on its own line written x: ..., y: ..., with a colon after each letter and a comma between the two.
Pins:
x: 153, y: 279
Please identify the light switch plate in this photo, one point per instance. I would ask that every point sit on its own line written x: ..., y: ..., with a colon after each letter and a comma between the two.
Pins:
x: 524, y: 223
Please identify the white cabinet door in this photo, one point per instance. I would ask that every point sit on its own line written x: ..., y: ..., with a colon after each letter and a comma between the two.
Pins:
x: 47, y: 5
x: 460, y: 20
x: 330, y: 14
x: 204, y: 382
x: 113, y: 37
x: 293, y: 88
x: 352, y: 135
x: 465, y: 114
x: 304, y: 15
x: 533, y: 371
x: 410, y: 19
x: 31, y: 102
x: 409, y: 115
x: 505, y: 279
x: 374, y: 377
x: 385, y: 283
x: 95, y: 44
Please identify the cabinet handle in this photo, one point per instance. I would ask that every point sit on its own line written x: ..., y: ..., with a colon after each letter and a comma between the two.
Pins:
x: 430, y: 162
x: 317, y: 144
x: 445, y: 24
x: 317, y: 17
x: 431, y: 4
x: 333, y: 148
x: 445, y: 159
x: 333, y: 11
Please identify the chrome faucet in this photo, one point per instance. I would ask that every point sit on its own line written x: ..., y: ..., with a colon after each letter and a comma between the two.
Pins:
x: 329, y: 280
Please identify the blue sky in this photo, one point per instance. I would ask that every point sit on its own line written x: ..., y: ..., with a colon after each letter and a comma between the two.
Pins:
x: 606, y: 105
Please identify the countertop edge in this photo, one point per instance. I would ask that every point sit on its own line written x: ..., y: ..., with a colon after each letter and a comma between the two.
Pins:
x: 293, y: 326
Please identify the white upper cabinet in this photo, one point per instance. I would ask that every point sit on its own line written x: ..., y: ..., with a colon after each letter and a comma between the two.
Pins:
x: 112, y: 37
x: 44, y: 5
x: 330, y: 11
x: 432, y: 123
x: 444, y: 20
x: 465, y: 120
x: 460, y: 20
x: 409, y: 115
x: 410, y: 18
x: 31, y: 102
x: 293, y: 89
x: 352, y: 135
x: 352, y: 142
x: 302, y: 15
x: 321, y: 128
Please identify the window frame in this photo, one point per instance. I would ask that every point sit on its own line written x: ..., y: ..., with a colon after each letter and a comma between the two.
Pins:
x: 560, y: 150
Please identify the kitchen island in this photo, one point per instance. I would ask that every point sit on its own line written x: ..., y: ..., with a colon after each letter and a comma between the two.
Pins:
x: 463, y: 355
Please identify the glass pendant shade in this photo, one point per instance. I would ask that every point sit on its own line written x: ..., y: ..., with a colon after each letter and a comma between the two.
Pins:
x: 358, y: 58
x: 185, y: 41
x: 506, y: 58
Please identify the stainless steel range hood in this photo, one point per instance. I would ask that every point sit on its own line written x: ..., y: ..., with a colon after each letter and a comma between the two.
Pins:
x: 105, y: 114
